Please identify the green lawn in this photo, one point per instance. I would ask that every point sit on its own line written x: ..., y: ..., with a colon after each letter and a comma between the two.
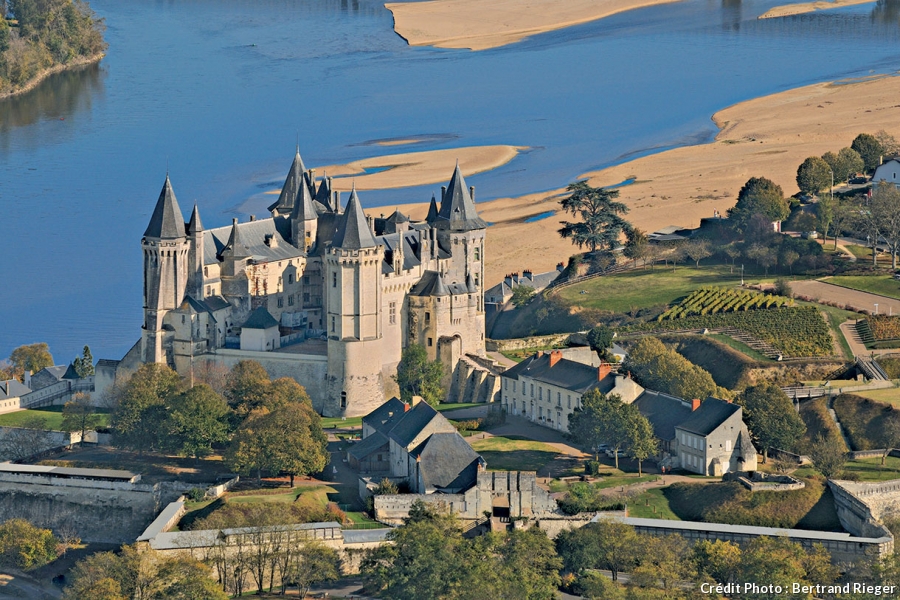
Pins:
x: 884, y: 285
x: 629, y: 479
x: 870, y: 469
x: 52, y: 416
x: 888, y: 396
x: 508, y: 454
x: 652, y: 504
x: 865, y: 253
x: 645, y: 287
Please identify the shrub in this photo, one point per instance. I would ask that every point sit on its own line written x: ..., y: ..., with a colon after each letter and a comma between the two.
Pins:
x: 584, y: 497
x: 592, y: 467
x: 196, y: 494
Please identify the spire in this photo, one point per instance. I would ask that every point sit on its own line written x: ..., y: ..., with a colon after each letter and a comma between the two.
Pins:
x: 457, y: 205
x: 195, y: 226
x: 353, y: 232
x: 167, y: 221
x: 303, y: 206
x: 432, y: 211
x: 292, y: 184
x: 236, y: 245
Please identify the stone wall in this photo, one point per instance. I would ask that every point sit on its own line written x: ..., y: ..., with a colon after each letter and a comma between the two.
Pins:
x: 535, y: 341
x: 18, y: 443
x: 862, y: 507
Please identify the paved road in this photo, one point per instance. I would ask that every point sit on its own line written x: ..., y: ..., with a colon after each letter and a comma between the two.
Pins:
x: 834, y: 293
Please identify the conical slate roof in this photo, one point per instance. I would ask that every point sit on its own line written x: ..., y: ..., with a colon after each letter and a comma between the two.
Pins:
x: 292, y: 184
x: 432, y: 211
x: 303, y: 205
x: 195, y: 226
x: 457, y: 205
x: 353, y: 231
x: 323, y: 195
x: 431, y: 284
x: 236, y: 246
x: 167, y: 221
x: 397, y: 217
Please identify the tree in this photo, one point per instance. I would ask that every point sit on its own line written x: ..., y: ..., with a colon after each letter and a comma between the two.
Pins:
x: 600, y: 339
x: 80, y: 415
x: 600, y: 223
x: 759, y: 196
x: 844, y: 164
x: 600, y: 419
x: 196, y: 420
x: 664, y: 562
x: 657, y: 367
x: 885, y: 207
x: 828, y: 454
x: 637, y: 245
x: 813, y: 175
x: 316, y: 563
x: 246, y: 387
x: 605, y: 544
x: 529, y: 562
x: 141, y: 411
x: 869, y: 149
x: 417, y: 376
x: 825, y: 214
x: 84, y: 364
x: 777, y: 561
x: 25, y: 546
x: 843, y: 216
x: 641, y: 441
x: 697, y: 250
x: 285, y: 390
x: 732, y: 252
x: 720, y: 560
x: 522, y: 295
x: 771, y: 418
x: 286, y: 440
x: 32, y: 357
x: 889, y: 145
x: 788, y: 258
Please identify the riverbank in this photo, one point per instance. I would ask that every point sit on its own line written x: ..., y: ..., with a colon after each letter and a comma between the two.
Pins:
x: 40, y: 76
x: 479, y: 25
x: 786, y: 10
x: 768, y: 136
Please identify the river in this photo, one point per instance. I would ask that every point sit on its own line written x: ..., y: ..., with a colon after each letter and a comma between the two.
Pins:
x: 219, y: 91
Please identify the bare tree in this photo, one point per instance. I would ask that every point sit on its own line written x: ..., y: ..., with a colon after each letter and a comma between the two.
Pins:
x: 25, y: 441
x: 885, y: 207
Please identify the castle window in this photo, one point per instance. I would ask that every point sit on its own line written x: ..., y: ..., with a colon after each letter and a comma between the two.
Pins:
x: 291, y: 278
x: 332, y: 324
x: 532, y: 390
x: 206, y: 271
x: 392, y: 313
x: 343, y: 399
x: 280, y: 279
x: 428, y: 317
x: 291, y: 300
x: 569, y: 402
x: 558, y: 399
x: 306, y: 297
x: 477, y: 254
x: 208, y: 290
x: 280, y: 302
x: 334, y: 280
x: 182, y: 319
x: 430, y: 343
x: 306, y: 279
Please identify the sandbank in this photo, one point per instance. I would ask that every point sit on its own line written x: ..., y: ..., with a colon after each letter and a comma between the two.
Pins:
x: 478, y: 25
x: 768, y: 136
x: 786, y: 10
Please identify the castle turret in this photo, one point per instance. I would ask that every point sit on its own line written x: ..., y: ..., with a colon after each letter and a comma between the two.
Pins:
x: 304, y: 220
x: 166, y: 271
x: 195, y: 255
x: 292, y: 184
x: 235, y: 253
x: 353, y: 321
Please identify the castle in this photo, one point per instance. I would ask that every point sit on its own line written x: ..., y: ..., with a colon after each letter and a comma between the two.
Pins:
x: 273, y: 289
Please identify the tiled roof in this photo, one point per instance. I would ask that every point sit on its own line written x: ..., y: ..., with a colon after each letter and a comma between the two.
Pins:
x: 379, y: 418
x: 711, y: 414
x: 663, y: 411
x: 447, y: 462
x: 260, y: 319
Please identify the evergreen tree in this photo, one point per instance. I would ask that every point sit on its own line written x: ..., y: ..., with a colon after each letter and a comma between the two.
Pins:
x: 84, y: 364
x: 600, y: 223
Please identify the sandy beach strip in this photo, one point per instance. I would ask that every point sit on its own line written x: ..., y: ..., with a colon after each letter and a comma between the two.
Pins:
x: 479, y: 24
x: 768, y: 136
x: 786, y: 10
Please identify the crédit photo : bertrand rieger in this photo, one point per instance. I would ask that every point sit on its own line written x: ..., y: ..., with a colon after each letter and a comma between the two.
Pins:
x: 797, y: 588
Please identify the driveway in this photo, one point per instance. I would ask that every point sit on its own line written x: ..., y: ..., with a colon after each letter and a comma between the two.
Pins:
x: 860, y: 301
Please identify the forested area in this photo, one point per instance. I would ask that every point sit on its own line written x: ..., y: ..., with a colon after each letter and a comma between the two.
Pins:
x: 39, y: 34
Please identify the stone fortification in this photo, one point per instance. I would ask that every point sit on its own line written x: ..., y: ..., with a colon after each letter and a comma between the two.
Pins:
x: 863, y: 507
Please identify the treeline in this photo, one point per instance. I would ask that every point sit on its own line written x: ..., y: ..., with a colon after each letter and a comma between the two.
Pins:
x: 430, y: 558
x: 265, y: 427
x: 39, y: 34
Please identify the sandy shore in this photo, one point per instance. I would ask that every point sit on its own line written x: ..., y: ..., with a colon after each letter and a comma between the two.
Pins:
x: 478, y: 25
x: 768, y: 136
x: 786, y: 10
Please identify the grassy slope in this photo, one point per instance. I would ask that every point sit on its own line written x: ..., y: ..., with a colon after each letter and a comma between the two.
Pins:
x: 508, y: 454
x: 863, y: 419
x: 727, y: 366
x: 884, y: 285
x: 52, y: 416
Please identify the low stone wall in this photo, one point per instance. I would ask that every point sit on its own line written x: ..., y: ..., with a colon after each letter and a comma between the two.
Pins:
x: 536, y: 341
x: 767, y: 482
x: 871, y: 454
x: 17, y: 443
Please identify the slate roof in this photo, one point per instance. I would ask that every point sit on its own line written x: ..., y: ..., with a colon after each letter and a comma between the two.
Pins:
x: 68, y: 472
x: 167, y: 221
x: 711, y: 414
x: 216, y: 302
x: 12, y: 388
x: 236, y: 245
x: 432, y: 211
x: 108, y: 362
x: 260, y: 319
x: 324, y: 193
x: 195, y: 225
x: 447, y: 462
x: 411, y: 247
x: 353, y: 231
x: 664, y: 412
x: 368, y: 445
x: 253, y: 236
x: 412, y: 423
x: 303, y: 205
x: 71, y: 373
x: 291, y: 186
x: 57, y: 371
x: 431, y: 284
x: 566, y: 373
x: 457, y: 205
x: 379, y: 418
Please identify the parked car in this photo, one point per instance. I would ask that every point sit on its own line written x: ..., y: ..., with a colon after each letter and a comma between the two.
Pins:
x: 857, y: 179
x: 612, y: 453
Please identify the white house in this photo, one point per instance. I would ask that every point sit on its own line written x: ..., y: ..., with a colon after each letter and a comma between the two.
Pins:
x: 889, y: 171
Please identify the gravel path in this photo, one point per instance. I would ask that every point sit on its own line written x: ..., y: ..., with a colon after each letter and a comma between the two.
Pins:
x: 845, y: 296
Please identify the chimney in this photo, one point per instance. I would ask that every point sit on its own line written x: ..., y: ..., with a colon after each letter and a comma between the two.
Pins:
x: 560, y: 267
x: 28, y: 379
x: 603, y: 370
x: 695, y: 404
x: 472, y: 192
x: 312, y: 176
x: 337, y: 202
x: 405, y: 407
x: 443, y: 193
x: 252, y: 218
x: 540, y: 353
x: 416, y: 400
x: 555, y: 356
x: 528, y: 274
x: 234, y: 221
